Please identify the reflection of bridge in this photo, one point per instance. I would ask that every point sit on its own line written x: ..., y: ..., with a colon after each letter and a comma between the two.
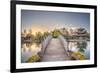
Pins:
x: 54, y: 50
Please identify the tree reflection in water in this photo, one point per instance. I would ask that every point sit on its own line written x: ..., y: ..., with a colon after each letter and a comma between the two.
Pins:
x: 82, y: 47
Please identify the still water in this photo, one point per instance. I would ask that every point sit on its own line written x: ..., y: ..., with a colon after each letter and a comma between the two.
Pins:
x: 73, y: 47
x: 27, y: 50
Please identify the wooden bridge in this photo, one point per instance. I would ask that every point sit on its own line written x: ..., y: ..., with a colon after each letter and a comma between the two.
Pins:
x: 54, y: 51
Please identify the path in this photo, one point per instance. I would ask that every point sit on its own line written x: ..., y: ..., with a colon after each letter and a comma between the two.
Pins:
x: 54, y: 51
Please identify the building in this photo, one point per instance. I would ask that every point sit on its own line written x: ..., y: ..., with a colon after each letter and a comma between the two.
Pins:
x: 79, y: 33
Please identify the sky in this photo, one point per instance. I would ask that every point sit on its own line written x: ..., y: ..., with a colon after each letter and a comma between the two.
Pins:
x: 49, y: 20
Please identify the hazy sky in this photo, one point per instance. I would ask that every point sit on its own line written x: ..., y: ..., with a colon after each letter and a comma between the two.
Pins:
x: 47, y: 20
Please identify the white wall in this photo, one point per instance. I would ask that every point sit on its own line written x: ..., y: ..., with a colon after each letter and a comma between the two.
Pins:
x: 5, y: 36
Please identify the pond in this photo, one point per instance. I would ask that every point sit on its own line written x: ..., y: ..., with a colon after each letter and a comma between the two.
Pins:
x: 73, y: 46
x: 29, y: 50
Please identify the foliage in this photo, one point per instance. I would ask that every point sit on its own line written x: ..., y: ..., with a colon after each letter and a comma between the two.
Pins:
x: 33, y: 58
x: 81, y: 46
x: 56, y: 33
x: 81, y: 50
x: 79, y: 55
x: 45, y: 34
x: 76, y: 56
x: 38, y: 38
x: 88, y: 36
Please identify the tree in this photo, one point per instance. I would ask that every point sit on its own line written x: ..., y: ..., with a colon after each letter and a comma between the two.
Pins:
x: 46, y: 34
x: 81, y: 46
x: 56, y: 33
x: 38, y: 38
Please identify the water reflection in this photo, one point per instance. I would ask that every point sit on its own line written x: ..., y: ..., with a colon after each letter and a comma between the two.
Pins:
x: 83, y: 48
x: 29, y: 49
x: 72, y: 46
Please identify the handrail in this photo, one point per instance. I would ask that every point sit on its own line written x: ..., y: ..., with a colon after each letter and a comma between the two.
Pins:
x: 45, y: 43
x: 63, y: 42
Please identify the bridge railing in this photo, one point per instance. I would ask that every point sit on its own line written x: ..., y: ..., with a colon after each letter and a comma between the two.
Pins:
x: 45, y: 43
x: 64, y: 42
